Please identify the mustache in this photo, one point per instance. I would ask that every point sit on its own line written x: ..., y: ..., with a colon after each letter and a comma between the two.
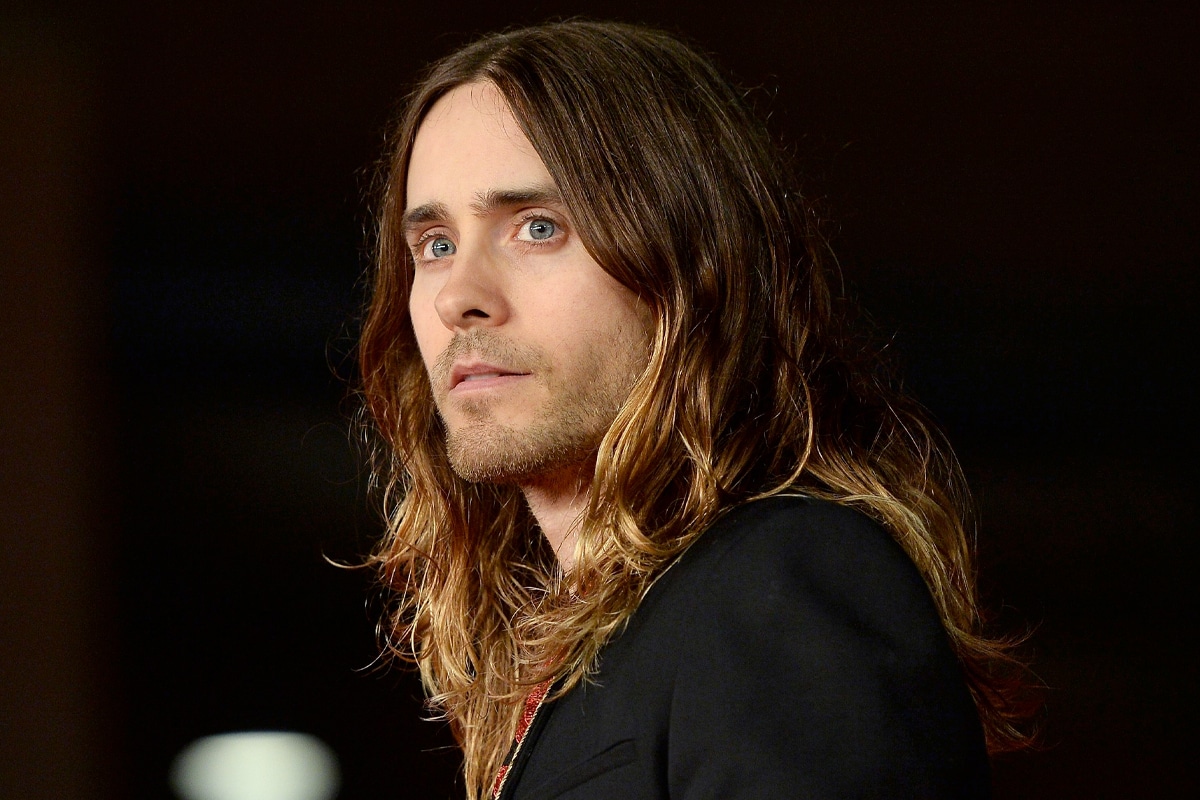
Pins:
x: 491, y: 347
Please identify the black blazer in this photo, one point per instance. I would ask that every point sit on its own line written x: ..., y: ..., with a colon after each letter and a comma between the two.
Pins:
x: 793, y: 651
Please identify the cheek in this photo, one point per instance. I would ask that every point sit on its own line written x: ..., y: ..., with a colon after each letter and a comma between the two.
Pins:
x: 620, y: 332
x: 635, y: 319
x: 431, y: 335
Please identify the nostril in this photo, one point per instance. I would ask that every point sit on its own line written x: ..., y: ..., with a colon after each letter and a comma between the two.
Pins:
x: 476, y: 313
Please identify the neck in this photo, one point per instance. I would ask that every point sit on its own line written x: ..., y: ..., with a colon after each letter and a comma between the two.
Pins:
x: 558, y: 501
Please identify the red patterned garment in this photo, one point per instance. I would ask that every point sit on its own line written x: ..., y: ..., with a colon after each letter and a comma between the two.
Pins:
x: 532, y: 703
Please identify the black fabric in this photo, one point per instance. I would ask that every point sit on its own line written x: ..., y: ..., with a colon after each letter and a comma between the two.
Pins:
x: 793, y: 651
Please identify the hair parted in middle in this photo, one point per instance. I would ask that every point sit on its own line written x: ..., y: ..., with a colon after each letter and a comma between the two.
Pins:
x: 753, y: 385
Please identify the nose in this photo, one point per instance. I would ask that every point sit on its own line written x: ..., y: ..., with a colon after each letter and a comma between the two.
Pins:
x: 474, y: 293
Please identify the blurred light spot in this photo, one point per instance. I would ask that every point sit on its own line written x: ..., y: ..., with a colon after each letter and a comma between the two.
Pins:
x: 256, y: 765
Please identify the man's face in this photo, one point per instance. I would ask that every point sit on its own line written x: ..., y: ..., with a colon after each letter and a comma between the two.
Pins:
x: 530, y: 346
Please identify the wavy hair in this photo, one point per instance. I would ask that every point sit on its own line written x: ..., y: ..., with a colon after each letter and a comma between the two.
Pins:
x: 755, y: 386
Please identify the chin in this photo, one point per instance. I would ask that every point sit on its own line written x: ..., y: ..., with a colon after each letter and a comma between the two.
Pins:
x: 500, y: 455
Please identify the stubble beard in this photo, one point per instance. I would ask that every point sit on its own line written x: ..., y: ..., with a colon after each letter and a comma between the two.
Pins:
x: 567, y: 431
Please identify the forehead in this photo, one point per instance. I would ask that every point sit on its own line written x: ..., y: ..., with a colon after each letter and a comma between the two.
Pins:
x: 469, y: 142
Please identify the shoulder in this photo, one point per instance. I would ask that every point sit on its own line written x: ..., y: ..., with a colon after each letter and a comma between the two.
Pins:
x: 792, y: 651
x: 808, y: 631
x: 795, y: 549
x: 819, y: 529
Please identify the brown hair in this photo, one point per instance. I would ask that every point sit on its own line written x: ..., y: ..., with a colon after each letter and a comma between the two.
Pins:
x: 754, y: 386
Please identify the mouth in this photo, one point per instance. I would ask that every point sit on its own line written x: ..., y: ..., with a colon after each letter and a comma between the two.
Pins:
x: 470, y: 376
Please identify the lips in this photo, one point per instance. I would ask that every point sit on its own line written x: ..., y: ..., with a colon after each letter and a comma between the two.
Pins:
x: 478, y: 374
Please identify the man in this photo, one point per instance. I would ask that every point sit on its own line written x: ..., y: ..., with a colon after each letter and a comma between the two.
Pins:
x: 658, y: 527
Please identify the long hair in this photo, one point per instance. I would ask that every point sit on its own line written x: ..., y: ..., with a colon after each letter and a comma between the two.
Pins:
x: 754, y: 386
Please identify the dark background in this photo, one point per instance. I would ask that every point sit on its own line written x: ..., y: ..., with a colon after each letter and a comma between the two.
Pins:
x: 183, y: 212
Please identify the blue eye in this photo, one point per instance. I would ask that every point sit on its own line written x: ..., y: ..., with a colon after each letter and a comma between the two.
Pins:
x: 541, y: 229
x: 441, y: 247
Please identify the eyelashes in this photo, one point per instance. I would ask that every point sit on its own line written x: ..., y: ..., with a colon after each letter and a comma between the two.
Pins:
x: 537, y: 228
x: 433, y: 247
x: 533, y: 229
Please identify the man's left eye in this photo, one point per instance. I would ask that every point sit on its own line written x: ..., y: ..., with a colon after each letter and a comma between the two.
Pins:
x: 537, y: 230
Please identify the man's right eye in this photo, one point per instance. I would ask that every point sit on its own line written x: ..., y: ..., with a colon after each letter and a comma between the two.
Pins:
x: 438, y: 247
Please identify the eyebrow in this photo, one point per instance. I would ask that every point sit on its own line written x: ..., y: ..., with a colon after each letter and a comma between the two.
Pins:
x: 484, y: 204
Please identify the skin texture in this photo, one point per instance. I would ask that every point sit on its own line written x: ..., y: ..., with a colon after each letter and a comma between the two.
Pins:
x: 530, y: 346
